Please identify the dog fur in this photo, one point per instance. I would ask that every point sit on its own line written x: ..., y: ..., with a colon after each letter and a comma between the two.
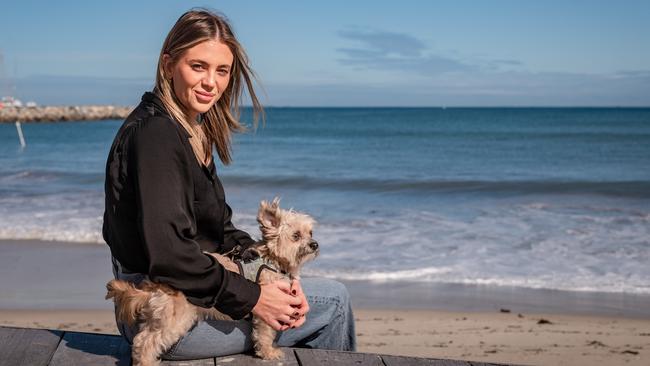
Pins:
x: 164, y: 314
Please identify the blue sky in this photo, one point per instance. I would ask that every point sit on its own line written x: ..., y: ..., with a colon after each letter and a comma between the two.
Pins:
x: 345, y: 53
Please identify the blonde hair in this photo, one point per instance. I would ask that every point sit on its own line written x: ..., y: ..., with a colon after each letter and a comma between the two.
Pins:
x: 218, y: 123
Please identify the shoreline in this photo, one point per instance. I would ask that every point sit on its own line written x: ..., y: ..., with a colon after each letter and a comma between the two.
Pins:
x: 485, y: 298
x: 37, y: 274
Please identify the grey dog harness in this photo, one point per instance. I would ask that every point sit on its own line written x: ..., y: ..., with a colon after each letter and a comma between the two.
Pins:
x: 252, y: 269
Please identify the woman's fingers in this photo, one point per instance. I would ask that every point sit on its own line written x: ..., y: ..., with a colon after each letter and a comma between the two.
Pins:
x: 285, y: 319
x: 296, y: 290
x: 299, y: 322
x: 276, y: 325
x: 277, y: 308
x: 283, y: 285
x: 284, y: 322
x: 300, y: 311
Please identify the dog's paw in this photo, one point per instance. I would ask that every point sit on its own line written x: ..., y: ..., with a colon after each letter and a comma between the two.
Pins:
x: 270, y: 354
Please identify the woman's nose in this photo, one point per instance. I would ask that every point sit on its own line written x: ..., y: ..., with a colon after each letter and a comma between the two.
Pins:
x: 209, y: 81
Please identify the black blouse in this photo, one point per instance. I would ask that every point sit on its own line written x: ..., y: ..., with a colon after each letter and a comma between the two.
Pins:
x: 164, y: 209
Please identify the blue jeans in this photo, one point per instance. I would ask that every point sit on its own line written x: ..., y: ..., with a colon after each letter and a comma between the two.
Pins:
x: 329, y: 325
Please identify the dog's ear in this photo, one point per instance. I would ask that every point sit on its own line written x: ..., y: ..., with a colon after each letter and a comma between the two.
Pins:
x: 269, y: 217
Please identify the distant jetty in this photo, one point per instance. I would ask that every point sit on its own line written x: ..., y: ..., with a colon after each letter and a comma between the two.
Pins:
x: 63, y: 113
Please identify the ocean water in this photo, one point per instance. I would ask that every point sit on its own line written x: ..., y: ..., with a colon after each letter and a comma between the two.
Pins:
x: 555, y: 198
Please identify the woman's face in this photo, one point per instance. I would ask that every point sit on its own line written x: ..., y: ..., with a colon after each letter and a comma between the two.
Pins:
x: 200, y: 75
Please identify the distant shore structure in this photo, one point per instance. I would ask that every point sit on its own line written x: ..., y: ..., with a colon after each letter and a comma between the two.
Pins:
x: 35, y: 113
x: 13, y: 110
x: 7, y: 102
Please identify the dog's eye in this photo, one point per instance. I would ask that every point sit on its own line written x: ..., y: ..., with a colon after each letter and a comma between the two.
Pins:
x: 310, y: 234
x: 296, y: 236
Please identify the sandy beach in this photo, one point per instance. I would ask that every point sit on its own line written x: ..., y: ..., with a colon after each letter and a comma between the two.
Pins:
x: 487, y: 337
x: 60, y: 286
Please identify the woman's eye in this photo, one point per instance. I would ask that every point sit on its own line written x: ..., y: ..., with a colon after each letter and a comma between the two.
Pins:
x: 197, y: 67
x: 223, y: 72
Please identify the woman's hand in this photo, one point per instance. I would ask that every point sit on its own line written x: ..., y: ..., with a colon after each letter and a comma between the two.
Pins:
x: 276, y: 306
x: 302, y: 309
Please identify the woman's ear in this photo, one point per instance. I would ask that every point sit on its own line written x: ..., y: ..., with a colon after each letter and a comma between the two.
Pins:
x: 167, y: 65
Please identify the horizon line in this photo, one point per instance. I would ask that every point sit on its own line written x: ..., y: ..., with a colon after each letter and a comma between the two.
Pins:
x: 395, y: 106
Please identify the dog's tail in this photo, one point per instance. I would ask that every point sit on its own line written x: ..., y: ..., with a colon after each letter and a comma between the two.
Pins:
x: 129, y: 300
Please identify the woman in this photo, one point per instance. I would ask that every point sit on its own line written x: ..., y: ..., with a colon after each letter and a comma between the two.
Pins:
x: 165, y: 205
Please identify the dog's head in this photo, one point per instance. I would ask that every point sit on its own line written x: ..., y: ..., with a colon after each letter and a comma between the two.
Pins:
x: 287, y: 235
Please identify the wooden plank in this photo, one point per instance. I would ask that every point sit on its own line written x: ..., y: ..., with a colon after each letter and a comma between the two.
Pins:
x: 91, y: 349
x: 203, y: 362
x: 20, y: 346
x: 315, y: 357
x: 416, y: 361
x: 250, y: 360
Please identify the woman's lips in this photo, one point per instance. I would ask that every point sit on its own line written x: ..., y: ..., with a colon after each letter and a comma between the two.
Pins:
x: 203, y: 96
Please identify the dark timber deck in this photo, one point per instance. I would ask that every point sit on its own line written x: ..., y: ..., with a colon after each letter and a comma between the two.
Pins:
x: 40, y: 347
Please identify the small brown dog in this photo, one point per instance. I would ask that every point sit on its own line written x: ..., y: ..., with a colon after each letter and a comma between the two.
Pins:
x: 164, y: 314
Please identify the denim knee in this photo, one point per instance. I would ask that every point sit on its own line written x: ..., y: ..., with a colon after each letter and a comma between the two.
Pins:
x: 325, y: 287
x: 332, y: 315
x: 340, y: 290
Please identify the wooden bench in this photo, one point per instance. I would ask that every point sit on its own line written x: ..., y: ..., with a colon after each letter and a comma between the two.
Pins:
x: 41, y: 347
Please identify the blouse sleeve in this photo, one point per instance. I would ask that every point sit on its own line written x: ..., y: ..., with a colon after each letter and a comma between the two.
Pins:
x: 233, y: 236
x: 164, y: 192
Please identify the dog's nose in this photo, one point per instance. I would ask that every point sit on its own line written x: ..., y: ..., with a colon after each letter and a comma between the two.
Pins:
x: 313, y: 244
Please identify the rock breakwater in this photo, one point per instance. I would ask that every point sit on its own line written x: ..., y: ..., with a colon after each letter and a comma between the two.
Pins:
x: 63, y: 113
